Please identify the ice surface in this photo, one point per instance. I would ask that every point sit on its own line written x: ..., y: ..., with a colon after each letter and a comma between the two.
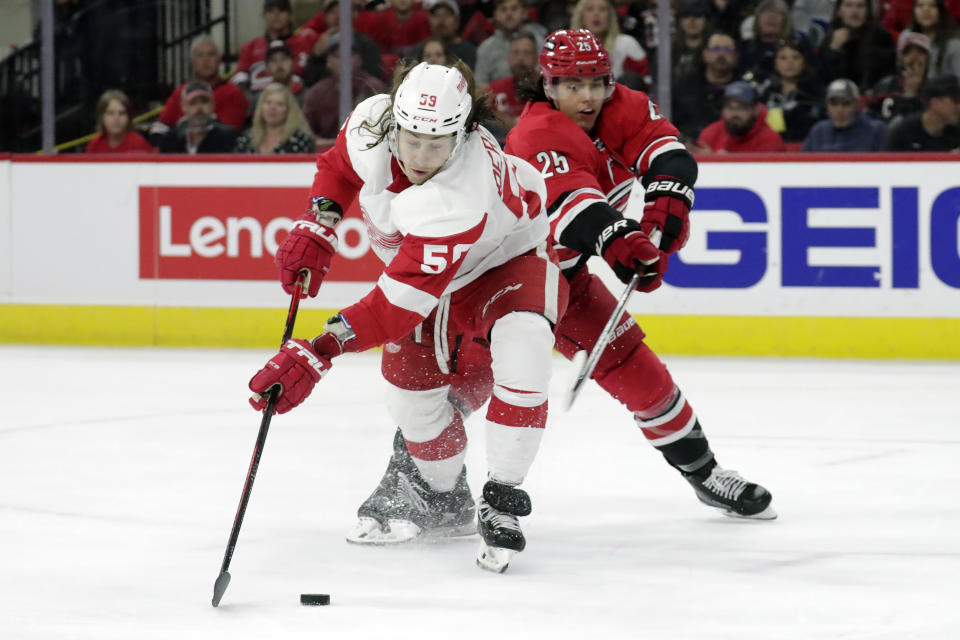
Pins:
x: 122, y: 468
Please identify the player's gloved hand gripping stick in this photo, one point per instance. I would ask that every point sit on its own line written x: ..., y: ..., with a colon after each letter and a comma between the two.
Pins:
x: 220, y: 586
x: 584, y: 364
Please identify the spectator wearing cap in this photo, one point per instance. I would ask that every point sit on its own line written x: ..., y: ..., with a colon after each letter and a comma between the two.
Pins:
x: 198, y: 131
x: 847, y: 128
x: 769, y: 25
x: 231, y: 103
x: 278, y: 125
x: 522, y: 59
x: 362, y: 42
x: 279, y: 62
x: 936, y: 127
x: 899, y: 93
x: 321, y: 106
x: 856, y: 47
x: 251, y: 72
x: 742, y: 127
x: 628, y: 60
x: 115, y: 132
x: 698, y: 96
x: 793, y: 95
x: 444, y: 18
x: 690, y: 39
x: 931, y: 18
x: 509, y: 16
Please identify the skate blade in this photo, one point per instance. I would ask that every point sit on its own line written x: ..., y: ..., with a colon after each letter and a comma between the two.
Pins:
x: 369, y: 532
x: 766, y: 514
x: 494, y: 559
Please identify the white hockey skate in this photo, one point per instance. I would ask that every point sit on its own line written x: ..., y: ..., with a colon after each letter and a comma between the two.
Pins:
x: 498, y: 526
x: 403, y: 508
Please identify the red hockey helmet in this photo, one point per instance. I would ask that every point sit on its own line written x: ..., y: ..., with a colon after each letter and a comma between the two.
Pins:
x: 571, y: 53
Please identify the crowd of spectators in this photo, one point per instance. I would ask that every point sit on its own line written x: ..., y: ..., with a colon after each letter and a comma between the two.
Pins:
x: 746, y: 75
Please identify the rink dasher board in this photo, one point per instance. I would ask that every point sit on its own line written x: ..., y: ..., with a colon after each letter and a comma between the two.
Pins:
x: 833, y: 255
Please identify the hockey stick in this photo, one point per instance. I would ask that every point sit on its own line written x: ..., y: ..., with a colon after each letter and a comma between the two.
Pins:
x: 223, y: 580
x: 584, y: 365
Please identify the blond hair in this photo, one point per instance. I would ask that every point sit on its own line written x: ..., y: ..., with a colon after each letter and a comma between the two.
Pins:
x: 106, y: 98
x: 613, y: 24
x: 295, y: 118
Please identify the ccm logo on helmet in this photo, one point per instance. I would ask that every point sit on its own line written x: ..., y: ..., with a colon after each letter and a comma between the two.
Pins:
x: 423, y: 118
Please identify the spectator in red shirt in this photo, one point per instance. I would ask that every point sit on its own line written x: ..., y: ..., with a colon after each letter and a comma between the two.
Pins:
x: 329, y: 21
x: 278, y: 20
x: 522, y: 58
x: 743, y: 125
x: 231, y: 103
x: 396, y: 30
x: 115, y: 132
x: 897, y: 14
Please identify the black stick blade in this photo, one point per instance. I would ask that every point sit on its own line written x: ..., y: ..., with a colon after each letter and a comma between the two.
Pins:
x: 223, y: 580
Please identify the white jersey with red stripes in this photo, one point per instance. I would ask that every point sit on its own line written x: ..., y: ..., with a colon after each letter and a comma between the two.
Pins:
x: 481, y: 210
x: 581, y: 169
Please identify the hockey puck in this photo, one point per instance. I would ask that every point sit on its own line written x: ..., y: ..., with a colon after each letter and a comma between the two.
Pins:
x: 314, y: 598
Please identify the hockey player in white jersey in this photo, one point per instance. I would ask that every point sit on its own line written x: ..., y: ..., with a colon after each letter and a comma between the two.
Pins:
x: 469, y: 281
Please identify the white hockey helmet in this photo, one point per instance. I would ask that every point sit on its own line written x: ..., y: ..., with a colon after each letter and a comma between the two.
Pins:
x: 433, y: 99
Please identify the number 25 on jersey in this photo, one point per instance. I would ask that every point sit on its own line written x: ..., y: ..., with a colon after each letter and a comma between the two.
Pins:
x: 557, y: 161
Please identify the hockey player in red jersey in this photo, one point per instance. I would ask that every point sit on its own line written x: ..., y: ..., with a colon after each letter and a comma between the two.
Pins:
x: 469, y: 274
x: 592, y: 139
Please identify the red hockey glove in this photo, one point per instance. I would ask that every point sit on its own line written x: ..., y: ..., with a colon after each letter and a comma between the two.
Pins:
x: 627, y: 248
x: 670, y: 213
x: 296, y: 369
x: 311, y: 245
x: 300, y: 365
x: 337, y: 338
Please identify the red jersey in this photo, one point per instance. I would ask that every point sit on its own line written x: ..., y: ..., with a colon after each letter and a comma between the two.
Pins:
x: 251, y: 65
x: 229, y: 103
x: 760, y: 137
x: 392, y: 36
x: 317, y: 25
x: 581, y: 169
x: 132, y: 142
x: 505, y: 100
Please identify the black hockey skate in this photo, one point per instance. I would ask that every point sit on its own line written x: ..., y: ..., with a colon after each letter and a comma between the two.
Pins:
x: 497, y: 524
x: 403, y: 507
x: 726, y: 490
